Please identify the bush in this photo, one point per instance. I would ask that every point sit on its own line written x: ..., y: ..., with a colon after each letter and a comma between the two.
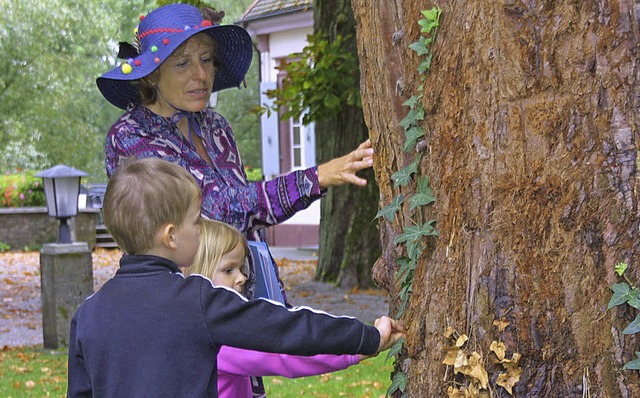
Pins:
x: 21, y: 190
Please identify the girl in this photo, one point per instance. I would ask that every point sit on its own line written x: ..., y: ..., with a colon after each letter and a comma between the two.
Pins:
x: 221, y: 257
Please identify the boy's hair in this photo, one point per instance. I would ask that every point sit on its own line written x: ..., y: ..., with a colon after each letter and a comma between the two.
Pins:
x: 142, y: 196
x: 216, y: 240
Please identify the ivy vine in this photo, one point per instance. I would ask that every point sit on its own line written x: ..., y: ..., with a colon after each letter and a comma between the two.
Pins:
x: 413, y: 234
x: 627, y: 293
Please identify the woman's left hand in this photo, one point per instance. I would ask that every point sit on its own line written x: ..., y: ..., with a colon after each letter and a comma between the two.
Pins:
x: 343, y: 170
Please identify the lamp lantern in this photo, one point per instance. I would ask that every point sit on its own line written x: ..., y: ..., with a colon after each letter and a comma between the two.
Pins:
x: 61, y: 189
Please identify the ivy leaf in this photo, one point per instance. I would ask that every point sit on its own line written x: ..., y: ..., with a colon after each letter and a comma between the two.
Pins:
x: 634, y: 298
x: 415, y: 249
x: 421, y: 47
x: 411, y: 137
x: 632, y: 365
x: 424, y: 196
x: 413, y: 101
x: 413, y: 233
x: 405, y: 265
x: 395, y: 349
x: 425, y: 65
x: 620, y: 268
x: 620, y: 294
x: 634, y: 327
x: 403, y: 177
x: 431, y: 19
x: 413, y: 116
x: 399, y: 382
x: 390, y: 210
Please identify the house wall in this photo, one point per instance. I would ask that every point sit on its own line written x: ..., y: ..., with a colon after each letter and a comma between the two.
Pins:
x: 282, y: 44
x: 277, y: 38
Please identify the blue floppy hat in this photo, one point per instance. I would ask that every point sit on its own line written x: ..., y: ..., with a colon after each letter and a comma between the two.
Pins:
x: 160, y: 33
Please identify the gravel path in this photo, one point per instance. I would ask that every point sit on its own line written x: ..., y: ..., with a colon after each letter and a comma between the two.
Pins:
x: 21, y: 312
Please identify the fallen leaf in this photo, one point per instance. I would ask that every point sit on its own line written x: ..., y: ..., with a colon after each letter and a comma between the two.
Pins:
x: 500, y: 324
x: 499, y: 349
x: 461, y: 340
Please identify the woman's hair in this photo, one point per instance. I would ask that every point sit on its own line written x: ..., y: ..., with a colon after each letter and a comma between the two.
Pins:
x: 216, y: 240
x: 142, y: 196
x: 147, y: 87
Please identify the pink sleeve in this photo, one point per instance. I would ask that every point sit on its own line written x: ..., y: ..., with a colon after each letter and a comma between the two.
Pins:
x: 255, y: 363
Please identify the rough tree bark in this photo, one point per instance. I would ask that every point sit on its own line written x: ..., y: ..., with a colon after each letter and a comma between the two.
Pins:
x: 532, y: 110
x: 349, y: 239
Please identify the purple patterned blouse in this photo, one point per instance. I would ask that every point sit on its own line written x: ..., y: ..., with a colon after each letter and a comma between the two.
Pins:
x: 227, y: 196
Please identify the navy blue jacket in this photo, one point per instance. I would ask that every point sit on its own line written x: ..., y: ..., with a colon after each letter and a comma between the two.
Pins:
x: 151, y: 332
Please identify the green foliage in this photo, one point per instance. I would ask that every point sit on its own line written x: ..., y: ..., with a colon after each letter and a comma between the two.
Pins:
x: 21, y: 190
x: 413, y: 236
x: 424, y: 195
x: 4, y: 247
x: 390, y: 210
x: 254, y: 174
x: 403, y: 177
x: 626, y: 293
x: 52, y: 111
x: 320, y: 81
x: 399, y: 382
x: 633, y: 364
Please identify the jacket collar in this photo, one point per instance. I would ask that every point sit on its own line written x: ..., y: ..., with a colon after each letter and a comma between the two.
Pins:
x: 137, y: 264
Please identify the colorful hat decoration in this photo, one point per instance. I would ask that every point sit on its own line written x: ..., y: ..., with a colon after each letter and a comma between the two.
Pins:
x: 160, y: 33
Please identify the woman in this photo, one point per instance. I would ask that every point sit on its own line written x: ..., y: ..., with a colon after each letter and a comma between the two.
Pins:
x: 165, y: 89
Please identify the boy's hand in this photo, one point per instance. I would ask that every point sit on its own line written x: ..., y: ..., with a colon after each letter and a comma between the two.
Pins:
x: 390, y: 332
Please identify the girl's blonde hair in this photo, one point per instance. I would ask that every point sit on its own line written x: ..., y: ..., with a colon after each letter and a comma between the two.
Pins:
x: 216, y: 240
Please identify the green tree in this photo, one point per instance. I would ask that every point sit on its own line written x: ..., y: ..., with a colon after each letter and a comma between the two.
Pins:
x: 50, y: 52
x: 50, y: 55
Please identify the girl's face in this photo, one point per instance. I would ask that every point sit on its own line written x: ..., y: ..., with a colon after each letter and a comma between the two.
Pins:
x: 186, y: 77
x: 229, y: 272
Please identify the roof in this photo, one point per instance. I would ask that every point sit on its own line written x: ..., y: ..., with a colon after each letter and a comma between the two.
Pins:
x: 261, y: 9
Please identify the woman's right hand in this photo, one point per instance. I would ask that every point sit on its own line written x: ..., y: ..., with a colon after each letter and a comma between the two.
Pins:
x: 343, y: 170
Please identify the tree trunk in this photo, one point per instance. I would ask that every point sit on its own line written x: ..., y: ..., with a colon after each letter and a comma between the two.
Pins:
x: 531, y: 120
x: 349, y: 240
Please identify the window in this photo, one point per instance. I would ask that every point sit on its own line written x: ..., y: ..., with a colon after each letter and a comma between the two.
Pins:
x: 298, y: 138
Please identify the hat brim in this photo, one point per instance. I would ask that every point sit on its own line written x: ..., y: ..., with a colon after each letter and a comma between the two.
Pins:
x: 234, y: 51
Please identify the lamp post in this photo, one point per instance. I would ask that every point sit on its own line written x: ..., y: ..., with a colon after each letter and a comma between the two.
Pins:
x: 66, y: 271
x: 61, y: 189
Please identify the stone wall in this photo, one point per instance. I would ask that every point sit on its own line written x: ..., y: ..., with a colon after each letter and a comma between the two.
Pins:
x: 32, y: 227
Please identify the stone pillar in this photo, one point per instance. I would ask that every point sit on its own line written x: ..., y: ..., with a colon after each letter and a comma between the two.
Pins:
x: 66, y: 280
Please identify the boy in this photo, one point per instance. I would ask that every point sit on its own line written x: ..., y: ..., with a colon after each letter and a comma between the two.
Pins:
x: 151, y: 332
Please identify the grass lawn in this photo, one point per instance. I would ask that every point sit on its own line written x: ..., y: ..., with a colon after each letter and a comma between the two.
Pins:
x: 35, y: 372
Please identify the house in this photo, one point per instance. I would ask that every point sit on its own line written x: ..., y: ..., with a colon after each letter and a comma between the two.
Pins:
x: 280, y: 28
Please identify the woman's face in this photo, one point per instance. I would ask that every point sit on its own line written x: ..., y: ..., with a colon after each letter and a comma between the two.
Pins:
x: 186, y: 77
x: 229, y: 272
